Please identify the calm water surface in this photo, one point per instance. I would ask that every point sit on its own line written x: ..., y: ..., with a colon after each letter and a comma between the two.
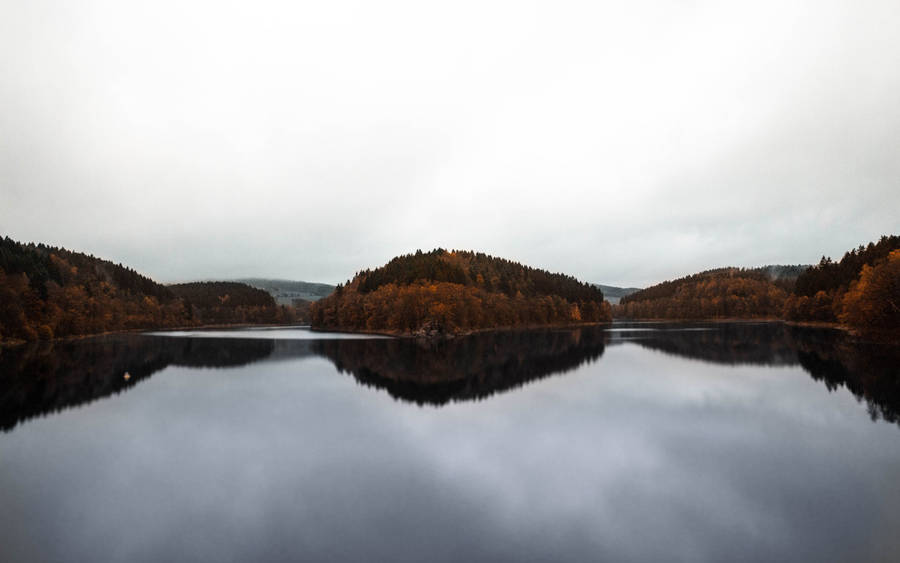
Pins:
x: 645, y: 442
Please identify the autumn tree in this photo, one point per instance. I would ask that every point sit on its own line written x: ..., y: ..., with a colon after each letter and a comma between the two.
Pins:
x: 872, y: 304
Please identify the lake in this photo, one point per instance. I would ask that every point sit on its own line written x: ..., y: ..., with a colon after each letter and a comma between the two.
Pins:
x: 632, y: 442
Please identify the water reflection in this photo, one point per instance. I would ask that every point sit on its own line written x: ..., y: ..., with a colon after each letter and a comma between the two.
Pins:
x: 870, y: 371
x: 46, y: 378
x: 462, y: 369
x: 721, y: 343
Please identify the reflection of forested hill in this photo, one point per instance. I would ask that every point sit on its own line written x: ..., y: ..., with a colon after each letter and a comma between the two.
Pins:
x: 870, y: 371
x: 473, y: 367
x: 732, y: 343
x: 45, y: 378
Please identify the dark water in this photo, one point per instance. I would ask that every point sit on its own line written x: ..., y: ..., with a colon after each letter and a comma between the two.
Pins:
x: 739, y: 442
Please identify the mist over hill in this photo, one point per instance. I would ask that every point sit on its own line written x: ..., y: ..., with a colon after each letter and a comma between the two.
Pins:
x: 286, y: 292
x: 613, y: 294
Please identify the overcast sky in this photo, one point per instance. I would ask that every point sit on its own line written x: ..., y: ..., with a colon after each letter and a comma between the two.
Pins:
x: 621, y: 142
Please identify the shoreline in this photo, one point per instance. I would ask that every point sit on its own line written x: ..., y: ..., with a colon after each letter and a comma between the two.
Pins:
x: 13, y: 343
x: 808, y: 324
x: 449, y: 335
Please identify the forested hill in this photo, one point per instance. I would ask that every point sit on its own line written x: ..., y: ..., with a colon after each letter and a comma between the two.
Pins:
x: 719, y: 293
x: 47, y: 291
x: 860, y: 291
x: 457, y: 291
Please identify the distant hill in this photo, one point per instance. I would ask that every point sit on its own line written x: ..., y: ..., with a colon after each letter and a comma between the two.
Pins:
x: 48, y: 292
x: 286, y: 292
x: 452, y: 292
x: 613, y: 294
x: 782, y: 275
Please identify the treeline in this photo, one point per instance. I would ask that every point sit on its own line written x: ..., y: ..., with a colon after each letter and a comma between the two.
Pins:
x: 457, y: 291
x: 720, y: 293
x: 862, y: 291
x: 479, y: 270
x: 48, y: 292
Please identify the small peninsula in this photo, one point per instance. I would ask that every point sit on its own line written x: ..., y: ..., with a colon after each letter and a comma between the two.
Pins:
x: 457, y: 292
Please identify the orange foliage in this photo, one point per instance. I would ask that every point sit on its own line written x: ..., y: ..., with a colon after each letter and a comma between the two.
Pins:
x: 728, y: 294
x: 872, y: 304
x: 447, y: 307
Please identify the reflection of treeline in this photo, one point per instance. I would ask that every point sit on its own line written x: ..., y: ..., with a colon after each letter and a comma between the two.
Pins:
x: 456, y: 292
x: 861, y: 291
x: 43, y: 378
x: 462, y: 369
x: 48, y: 292
x: 870, y: 371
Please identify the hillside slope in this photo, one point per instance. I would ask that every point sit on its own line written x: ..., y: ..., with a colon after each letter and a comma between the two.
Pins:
x: 47, y: 291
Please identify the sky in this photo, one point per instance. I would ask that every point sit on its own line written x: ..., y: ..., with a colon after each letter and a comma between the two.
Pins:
x: 621, y: 142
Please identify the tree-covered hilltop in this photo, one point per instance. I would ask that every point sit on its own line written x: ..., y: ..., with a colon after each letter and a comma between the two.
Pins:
x: 719, y: 293
x: 48, y: 292
x: 457, y: 291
